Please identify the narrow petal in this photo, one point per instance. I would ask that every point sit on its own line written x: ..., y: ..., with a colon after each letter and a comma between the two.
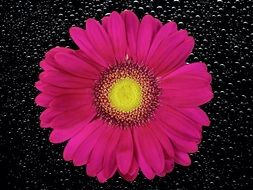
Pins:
x: 69, y: 118
x: 132, y: 173
x: 125, y: 151
x: 104, y: 21
x: 49, y: 62
x: 77, y: 140
x: 117, y: 32
x: 182, y: 144
x: 188, y: 86
x: 109, y: 164
x: 76, y: 66
x: 163, y: 139
x: 190, y: 76
x: 196, y: 114
x: 95, y: 162
x: 187, y: 97
x: 71, y: 101
x: 53, y: 90
x: 151, y: 146
x: 40, y: 86
x: 158, y: 58
x: 100, y: 40
x: 46, y: 66
x: 182, y: 158
x: 169, y: 165
x: 79, y: 36
x: 147, y: 30
x: 101, y: 178
x: 61, y: 135
x: 141, y: 159
x: 164, y: 32
x: 64, y: 80
x: 43, y: 100
x: 82, y: 153
x: 132, y: 26
x: 183, y: 127
x: 47, y: 116
x: 52, y: 52
x: 176, y: 58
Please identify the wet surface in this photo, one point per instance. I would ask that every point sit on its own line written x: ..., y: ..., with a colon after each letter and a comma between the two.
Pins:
x: 221, y: 29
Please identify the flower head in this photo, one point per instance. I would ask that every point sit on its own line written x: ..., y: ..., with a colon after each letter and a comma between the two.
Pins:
x: 126, y: 100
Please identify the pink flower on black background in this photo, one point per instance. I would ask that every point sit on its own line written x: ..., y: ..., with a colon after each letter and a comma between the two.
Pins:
x: 126, y: 100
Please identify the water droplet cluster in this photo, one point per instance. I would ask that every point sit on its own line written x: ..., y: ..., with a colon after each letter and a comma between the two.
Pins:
x: 223, y: 40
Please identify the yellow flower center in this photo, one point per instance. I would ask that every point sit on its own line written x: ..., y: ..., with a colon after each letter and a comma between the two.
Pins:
x: 125, y: 95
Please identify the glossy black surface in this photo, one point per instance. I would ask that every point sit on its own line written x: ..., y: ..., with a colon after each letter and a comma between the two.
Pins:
x: 222, y: 32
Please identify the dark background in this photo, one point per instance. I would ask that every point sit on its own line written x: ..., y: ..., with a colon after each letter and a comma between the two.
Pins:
x: 223, y: 40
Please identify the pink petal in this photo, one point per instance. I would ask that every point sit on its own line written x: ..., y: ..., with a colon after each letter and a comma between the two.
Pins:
x: 69, y: 118
x: 163, y: 139
x: 105, y: 20
x: 47, y: 116
x: 61, y: 135
x: 46, y: 66
x: 196, y: 114
x: 169, y: 165
x: 187, y: 97
x: 197, y: 69
x: 165, y: 50
x: 132, y: 26
x: 82, y: 154
x: 147, y: 30
x: 79, y: 53
x: 64, y: 80
x: 117, y: 32
x: 95, y: 162
x: 57, y: 91
x: 80, y: 37
x: 109, y: 164
x: 101, y: 177
x: 100, y: 40
x: 176, y: 58
x: 71, y: 101
x: 188, y: 86
x: 154, y: 148
x: 182, y: 158
x: 141, y: 159
x: 125, y: 151
x: 174, y: 122
x: 52, y: 52
x: 43, y: 100
x: 49, y: 62
x: 77, y: 140
x: 76, y: 66
x: 190, y: 76
x: 182, y: 144
x: 132, y: 173
x: 164, y: 32
x: 40, y: 86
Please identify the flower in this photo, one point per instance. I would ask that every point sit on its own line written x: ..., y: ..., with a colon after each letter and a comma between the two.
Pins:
x: 126, y: 100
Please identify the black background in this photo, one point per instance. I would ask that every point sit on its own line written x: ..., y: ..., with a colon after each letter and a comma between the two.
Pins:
x: 223, y: 40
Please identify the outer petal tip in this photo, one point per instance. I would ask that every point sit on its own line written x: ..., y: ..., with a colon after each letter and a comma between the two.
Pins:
x: 75, y: 33
x: 54, y: 138
x: 101, y: 177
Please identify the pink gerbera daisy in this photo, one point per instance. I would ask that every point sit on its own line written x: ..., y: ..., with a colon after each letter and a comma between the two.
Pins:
x: 126, y: 100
